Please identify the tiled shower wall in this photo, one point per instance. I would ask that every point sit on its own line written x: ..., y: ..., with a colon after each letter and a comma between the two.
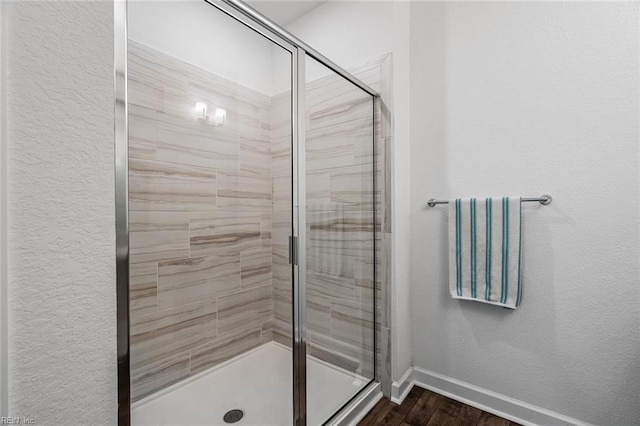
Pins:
x: 210, y: 216
x: 200, y: 221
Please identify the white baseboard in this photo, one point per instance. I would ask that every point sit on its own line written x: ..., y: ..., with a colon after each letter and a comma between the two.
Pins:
x: 401, y: 388
x: 486, y: 400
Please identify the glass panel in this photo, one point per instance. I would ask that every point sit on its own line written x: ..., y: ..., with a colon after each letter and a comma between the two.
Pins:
x: 210, y: 215
x: 340, y: 240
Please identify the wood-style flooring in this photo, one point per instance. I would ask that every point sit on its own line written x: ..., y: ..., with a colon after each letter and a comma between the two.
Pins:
x: 425, y: 408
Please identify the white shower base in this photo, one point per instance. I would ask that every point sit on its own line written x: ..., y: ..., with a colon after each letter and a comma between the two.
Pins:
x: 258, y: 382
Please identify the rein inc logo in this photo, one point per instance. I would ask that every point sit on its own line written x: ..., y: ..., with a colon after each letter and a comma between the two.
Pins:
x: 17, y: 421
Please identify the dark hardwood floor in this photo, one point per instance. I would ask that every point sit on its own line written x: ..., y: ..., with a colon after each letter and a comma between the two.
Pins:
x: 422, y: 407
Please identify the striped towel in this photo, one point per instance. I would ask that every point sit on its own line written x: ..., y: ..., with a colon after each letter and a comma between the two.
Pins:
x: 484, y: 250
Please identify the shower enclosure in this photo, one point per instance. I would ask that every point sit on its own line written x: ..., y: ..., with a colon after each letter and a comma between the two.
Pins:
x: 246, y: 219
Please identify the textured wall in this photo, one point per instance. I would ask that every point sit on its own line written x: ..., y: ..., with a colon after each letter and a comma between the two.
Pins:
x: 62, y: 320
x: 524, y: 99
x: 200, y: 201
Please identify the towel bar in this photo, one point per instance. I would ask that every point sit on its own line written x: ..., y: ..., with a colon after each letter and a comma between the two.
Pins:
x: 543, y: 199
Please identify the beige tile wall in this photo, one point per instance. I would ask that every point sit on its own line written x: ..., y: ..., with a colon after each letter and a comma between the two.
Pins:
x: 281, y: 216
x: 200, y: 215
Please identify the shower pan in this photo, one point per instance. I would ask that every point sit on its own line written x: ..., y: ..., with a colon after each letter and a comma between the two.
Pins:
x: 246, y: 222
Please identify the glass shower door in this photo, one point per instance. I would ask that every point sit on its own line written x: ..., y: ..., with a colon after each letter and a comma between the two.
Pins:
x: 250, y: 220
x: 339, y: 243
x: 209, y: 208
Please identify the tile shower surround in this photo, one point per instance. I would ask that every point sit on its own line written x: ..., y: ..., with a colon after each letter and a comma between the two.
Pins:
x: 210, y: 218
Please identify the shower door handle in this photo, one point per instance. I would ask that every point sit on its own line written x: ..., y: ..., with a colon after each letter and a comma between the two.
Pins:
x: 293, y: 250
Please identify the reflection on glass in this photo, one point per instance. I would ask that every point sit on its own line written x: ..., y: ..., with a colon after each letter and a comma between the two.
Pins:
x: 340, y: 240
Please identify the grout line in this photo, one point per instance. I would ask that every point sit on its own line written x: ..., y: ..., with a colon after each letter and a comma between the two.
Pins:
x: 157, y: 281
x: 217, y: 318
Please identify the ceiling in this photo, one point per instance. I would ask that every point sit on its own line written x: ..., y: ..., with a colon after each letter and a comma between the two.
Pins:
x: 284, y: 12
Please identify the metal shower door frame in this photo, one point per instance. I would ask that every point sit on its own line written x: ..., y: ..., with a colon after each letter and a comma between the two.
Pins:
x: 299, y: 51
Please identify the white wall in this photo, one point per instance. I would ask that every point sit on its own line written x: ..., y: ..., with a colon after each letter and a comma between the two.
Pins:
x: 525, y: 99
x: 3, y: 215
x: 401, y: 178
x: 62, y: 320
x: 347, y: 32
x: 200, y: 34
x: 350, y: 33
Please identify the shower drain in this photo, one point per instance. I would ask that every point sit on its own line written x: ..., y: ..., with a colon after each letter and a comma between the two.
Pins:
x: 233, y: 416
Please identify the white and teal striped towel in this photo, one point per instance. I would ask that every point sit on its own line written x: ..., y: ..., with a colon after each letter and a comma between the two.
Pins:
x: 484, y: 250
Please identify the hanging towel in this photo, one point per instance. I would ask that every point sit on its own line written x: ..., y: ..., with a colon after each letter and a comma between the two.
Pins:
x: 484, y: 250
